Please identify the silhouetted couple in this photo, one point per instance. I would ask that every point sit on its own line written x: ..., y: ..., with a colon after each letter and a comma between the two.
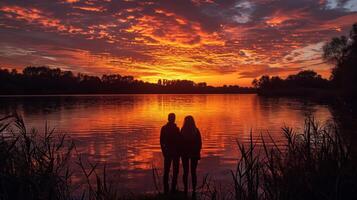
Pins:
x: 185, y: 144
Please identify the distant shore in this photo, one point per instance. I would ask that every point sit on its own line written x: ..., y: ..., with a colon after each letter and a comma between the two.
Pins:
x: 253, y: 91
x: 44, y: 80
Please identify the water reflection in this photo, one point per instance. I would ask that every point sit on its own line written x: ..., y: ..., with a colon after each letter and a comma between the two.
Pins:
x: 123, y: 130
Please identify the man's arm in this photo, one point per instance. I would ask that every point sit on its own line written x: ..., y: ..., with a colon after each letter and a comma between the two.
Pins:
x: 178, y: 132
x: 163, y: 141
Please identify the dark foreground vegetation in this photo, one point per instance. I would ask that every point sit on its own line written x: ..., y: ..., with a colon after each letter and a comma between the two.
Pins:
x: 313, y: 164
x: 45, y: 80
x: 341, y: 52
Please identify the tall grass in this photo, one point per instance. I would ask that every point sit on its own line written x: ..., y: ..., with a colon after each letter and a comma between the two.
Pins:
x: 33, y: 165
x: 37, y: 166
x: 98, y: 186
x: 314, y: 163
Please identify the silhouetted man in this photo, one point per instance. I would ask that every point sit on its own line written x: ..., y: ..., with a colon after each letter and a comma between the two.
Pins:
x: 169, y: 138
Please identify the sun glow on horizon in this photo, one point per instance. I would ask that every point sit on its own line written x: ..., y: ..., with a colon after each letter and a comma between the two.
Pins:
x: 221, y: 43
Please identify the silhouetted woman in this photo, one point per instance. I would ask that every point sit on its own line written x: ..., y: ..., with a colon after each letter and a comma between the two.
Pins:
x: 190, y: 151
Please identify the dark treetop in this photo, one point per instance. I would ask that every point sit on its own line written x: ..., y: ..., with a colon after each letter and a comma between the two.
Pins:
x: 45, y: 80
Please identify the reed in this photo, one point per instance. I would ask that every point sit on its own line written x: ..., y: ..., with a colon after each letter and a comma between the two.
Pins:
x: 33, y: 165
x: 313, y: 164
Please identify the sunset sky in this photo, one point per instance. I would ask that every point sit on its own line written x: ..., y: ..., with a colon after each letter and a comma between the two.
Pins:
x: 216, y: 41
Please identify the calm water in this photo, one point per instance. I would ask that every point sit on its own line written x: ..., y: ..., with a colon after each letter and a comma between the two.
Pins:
x: 123, y: 130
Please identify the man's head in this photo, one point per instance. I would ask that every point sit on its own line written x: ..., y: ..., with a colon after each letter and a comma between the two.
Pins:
x: 171, y: 117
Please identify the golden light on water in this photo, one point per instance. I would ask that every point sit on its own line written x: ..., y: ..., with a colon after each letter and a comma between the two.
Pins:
x: 124, y: 130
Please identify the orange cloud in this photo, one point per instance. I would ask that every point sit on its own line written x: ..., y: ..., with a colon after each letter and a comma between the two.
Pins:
x: 279, y: 17
x: 36, y: 16
x: 71, y: 1
x: 166, y: 28
x: 89, y: 8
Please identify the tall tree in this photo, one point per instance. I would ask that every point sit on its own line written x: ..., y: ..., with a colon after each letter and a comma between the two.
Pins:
x: 342, y: 52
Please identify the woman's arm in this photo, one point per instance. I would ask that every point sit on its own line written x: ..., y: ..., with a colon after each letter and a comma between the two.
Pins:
x: 199, y: 139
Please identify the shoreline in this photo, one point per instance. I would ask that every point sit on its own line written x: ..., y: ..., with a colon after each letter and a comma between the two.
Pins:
x: 113, y: 94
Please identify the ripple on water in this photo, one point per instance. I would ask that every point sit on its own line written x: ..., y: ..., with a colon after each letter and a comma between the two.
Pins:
x: 123, y: 130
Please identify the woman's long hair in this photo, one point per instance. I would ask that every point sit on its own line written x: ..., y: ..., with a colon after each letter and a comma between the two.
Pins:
x: 189, y: 125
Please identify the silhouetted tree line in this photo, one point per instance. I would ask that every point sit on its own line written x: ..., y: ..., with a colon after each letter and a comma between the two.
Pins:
x: 340, y: 51
x: 45, y: 80
x: 303, y: 79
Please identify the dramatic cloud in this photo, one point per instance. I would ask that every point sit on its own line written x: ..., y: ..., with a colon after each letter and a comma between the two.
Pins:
x: 217, y: 41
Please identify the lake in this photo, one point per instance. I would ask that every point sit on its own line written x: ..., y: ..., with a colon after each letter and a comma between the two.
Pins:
x: 123, y: 130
